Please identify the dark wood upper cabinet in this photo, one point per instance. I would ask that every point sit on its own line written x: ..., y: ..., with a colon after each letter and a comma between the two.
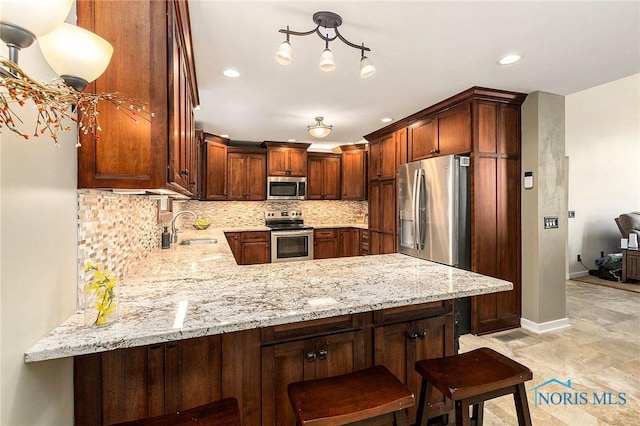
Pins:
x: 247, y: 174
x: 215, y: 167
x: 323, y: 180
x: 446, y: 133
x: 286, y: 159
x: 161, y: 154
x: 354, y: 172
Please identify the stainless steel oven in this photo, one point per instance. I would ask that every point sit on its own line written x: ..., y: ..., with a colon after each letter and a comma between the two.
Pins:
x: 289, y: 245
x: 290, y: 238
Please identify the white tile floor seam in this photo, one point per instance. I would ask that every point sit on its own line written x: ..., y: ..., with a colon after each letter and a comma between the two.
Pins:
x: 599, y: 354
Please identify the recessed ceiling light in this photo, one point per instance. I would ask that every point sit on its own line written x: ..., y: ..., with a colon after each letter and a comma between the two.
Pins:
x: 224, y: 136
x: 509, y: 59
x: 386, y: 119
x: 291, y: 140
x: 231, y: 73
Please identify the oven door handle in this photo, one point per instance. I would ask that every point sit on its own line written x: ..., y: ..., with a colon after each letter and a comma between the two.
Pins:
x: 292, y: 233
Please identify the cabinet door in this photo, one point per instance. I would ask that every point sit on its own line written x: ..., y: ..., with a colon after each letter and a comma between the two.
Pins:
x: 454, y: 130
x: 178, y: 138
x: 237, y: 181
x: 326, y: 243
x: 315, y: 180
x: 423, y: 140
x: 233, y: 238
x: 282, y: 364
x: 278, y: 161
x: 388, y: 158
x: 388, y: 206
x: 347, y: 242
x: 216, y: 171
x: 297, y: 162
x: 256, y: 181
x: 353, y: 175
x: 374, y: 159
x: 332, y: 178
x: 193, y: 372
x: 375, y: 213
x: 399, y: 346
x: 339, y: 353
x: 129, y: 154
x: 255, y: 252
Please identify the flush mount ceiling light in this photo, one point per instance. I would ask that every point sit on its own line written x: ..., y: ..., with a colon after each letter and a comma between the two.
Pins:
x: 78, y: 56
x: 509, y: 59
x: 319, y: 130
x: 386, y: 119
x: 325, y: 22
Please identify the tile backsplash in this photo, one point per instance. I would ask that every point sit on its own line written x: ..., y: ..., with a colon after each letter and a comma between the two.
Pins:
x: 114, y: 230
x: 251, y: 213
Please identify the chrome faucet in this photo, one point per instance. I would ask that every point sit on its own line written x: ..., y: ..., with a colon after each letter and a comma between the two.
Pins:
x: 174, y: 231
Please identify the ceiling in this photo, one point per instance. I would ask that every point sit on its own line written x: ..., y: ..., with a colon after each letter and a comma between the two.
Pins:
x: 424, y: 52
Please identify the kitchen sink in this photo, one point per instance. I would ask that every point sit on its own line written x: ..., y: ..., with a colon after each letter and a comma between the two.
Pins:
x: 189, y: 241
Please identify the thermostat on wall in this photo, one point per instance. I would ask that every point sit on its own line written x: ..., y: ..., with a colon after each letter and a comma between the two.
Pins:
x: 528, y: 180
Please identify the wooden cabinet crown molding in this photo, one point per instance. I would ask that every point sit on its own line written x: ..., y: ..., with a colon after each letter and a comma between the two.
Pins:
x: 473, y: 94
x: 275, y: 144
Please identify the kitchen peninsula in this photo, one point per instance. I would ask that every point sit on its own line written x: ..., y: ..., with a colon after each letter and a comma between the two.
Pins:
x: 247, y: 326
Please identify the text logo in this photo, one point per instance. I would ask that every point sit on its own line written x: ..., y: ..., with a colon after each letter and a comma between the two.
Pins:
x: 557, y: 392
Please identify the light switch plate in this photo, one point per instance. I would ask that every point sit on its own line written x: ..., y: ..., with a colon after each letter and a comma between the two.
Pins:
x: 550, y: 222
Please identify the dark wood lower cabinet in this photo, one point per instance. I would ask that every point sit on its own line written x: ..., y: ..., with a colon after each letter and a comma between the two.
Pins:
x: 250, y: 248
x: 255, y: 366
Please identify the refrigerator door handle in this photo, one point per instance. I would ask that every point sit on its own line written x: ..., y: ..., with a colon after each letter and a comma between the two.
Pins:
x: 420, y: 208
x: 416, y: 225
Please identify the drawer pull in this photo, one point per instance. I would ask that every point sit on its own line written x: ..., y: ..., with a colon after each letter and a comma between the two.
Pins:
x: 322, y: 353
x: 311, y: 356
x: 412, y: 336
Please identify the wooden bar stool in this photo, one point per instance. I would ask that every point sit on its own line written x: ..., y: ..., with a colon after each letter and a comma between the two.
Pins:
x: 372, y: 393
x: 223, y: 412
x: 471, y: 378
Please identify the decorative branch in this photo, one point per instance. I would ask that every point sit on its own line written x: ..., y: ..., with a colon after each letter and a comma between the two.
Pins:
x: 55, y: 102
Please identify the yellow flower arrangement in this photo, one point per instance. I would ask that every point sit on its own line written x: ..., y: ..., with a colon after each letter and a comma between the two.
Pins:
x: 101, y: 295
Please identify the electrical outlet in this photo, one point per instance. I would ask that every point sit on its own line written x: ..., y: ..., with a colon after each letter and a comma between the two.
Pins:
x: 579, y: 258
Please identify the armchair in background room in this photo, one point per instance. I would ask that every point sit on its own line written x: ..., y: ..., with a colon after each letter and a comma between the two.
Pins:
x: 629, y: 223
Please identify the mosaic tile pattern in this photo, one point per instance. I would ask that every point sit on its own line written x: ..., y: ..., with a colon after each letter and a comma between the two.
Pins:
x: 114, y: 230
x: 234, y: 214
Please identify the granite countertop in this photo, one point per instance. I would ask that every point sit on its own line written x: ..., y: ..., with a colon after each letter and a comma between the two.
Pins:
x: 223, y: 297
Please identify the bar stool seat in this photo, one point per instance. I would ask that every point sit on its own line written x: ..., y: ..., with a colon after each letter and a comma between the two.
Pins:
x: 223, y: 412
x: 471, y: 378
x: 371, y: 393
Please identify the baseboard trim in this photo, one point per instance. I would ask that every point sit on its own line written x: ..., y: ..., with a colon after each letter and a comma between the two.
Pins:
x: 545, y: 327
x: 578, y: 274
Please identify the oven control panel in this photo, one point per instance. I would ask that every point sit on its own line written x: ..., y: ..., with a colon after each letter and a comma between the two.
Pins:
x: 282, y: 214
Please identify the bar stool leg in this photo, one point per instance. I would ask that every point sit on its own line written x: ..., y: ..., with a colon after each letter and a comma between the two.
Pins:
x: 478, y: 413
x: 462, y: 412
x: 522, y: 407
x: 426, y: 389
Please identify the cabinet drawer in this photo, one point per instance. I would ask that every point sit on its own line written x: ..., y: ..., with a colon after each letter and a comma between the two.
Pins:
x: 254, y: 236
x: 325, y: 233
x: 312, y: 328
x: 413, y: 312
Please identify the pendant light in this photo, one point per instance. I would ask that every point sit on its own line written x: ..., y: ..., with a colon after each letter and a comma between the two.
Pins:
x: 327, y: 61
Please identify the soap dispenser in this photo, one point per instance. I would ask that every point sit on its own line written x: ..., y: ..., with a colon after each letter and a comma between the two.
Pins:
x: 166, y: 238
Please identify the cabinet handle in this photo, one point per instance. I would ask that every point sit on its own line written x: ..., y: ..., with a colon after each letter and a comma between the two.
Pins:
x: 422, y: 335
x: 379, y: 174
x: 184, y: 172
x: 322, y: 353
x: 311, y: 356
x: 412, y: 336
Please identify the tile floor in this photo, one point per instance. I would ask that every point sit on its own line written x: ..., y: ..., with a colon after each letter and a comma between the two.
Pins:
x: 599, y: 353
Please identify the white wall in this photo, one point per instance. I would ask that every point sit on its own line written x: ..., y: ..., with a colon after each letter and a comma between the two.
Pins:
x: 38, y: 252
x: 603, y: 146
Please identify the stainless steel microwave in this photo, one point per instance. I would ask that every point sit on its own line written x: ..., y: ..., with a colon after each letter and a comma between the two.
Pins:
x: 286, y: 188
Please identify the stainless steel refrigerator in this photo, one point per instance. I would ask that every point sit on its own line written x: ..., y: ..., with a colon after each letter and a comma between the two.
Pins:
x: 434, y: 216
